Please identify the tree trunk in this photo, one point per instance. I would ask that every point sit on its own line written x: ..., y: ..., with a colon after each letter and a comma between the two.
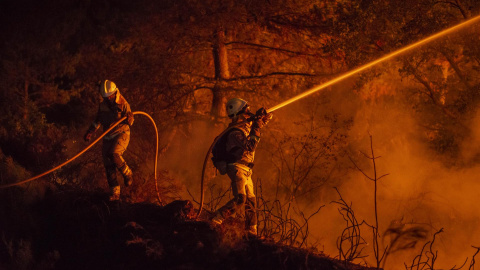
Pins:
x: 457, y: 70
x: 221, y: 74
x: 463, y: 10
x: 430, y: 92
x: 25, y: 94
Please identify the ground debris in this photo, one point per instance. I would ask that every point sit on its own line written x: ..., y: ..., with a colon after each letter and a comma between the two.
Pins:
x: 87, y: 232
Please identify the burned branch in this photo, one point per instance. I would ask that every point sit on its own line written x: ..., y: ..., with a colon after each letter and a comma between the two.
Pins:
x: 430, y: 256
x: 350, y: 243
x: 402, y: 237
x: 472, y: 262
x: 277, y: 221
x: 379, y: 258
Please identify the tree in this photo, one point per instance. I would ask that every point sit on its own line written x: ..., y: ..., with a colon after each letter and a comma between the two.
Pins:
x: 35, y: 72
x: 437, y: 78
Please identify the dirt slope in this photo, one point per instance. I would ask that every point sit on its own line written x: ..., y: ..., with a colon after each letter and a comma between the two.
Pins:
x: 79, y: 230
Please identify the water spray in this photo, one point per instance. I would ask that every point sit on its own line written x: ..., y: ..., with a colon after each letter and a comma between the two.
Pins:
x: 337, y: 79
x: 373, y: 63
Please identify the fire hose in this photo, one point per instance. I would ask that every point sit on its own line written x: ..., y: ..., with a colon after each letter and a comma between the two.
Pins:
x: 337, y: 79
x: 90, y: 146
x: 300, y: 96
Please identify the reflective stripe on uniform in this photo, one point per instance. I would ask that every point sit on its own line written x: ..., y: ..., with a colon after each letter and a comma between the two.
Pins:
x: 111, y: 136
x: 241, y: 166
x: 126, y: 170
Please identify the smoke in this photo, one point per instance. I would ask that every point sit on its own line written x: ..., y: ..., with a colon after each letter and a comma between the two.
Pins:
x: 471, y: 145
x: 187, y: 146
x: 420, y: 189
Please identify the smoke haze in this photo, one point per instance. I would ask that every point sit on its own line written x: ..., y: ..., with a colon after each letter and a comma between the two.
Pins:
x: 420, y: 188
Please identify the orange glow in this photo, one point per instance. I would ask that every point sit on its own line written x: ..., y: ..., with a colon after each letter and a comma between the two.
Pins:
x: 386, y: 57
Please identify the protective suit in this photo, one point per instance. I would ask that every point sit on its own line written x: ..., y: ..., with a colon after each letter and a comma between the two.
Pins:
x: 113, y: 108
x: 240, y: 145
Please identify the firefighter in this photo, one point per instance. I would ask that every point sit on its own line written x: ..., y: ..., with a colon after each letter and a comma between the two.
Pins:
x: 240, y: 146
x: 113, y: 108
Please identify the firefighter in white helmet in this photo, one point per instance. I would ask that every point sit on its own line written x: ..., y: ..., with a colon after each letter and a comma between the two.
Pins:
x: 113, y: 108
x: 240, y: 144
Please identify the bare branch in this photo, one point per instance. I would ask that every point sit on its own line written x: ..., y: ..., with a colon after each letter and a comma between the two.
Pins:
x: 358, y: 168
x: 272, y: 48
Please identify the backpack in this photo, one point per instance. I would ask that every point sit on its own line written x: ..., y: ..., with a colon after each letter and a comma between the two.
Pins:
x: 220, y: 157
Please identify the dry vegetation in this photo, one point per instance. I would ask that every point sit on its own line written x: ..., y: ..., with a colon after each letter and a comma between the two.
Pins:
x: 179, y: 61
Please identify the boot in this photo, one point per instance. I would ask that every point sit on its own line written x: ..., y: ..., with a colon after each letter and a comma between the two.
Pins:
x: 217, y: 219
x: 114, y: 193
x: 252, y: 230
x: 127, y: 175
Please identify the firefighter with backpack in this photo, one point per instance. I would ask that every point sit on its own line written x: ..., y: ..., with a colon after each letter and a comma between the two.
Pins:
x: 233, y: 154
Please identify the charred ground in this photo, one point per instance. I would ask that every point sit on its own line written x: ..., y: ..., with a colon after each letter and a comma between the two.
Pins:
x: 73, y: 229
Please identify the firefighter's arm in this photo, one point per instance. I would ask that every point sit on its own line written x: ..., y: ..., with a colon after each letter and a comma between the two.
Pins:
x: 239, y: 143
x: 128, y: 114
x: 235, y: 145
x: 251, y: 143
x: 93, y: 128
x: 262, y: 117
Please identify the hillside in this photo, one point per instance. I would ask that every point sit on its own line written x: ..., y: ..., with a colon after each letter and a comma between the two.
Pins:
x: 71, y: 229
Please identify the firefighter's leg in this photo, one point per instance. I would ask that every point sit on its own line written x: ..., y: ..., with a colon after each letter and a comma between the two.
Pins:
x: 119, y: 147
x: 238, y: 178
x: 250, y: 206
x: 110, y: 170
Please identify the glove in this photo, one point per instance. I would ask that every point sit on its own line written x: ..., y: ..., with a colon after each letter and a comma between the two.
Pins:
x: 262, y: 117
x: 266, y: 118
x: 261, y: 112
x: 130, y: 119
x: 88, y: 135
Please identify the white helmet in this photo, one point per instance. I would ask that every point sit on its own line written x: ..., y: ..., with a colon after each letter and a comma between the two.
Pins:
x: 107, y: 88
x: 234, y: 106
